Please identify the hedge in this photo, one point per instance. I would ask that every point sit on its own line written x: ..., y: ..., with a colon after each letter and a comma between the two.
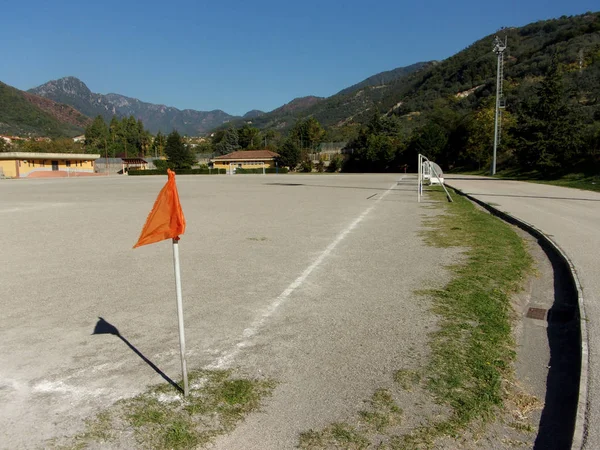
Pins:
x: 259, y: 171
x: 179, y: 172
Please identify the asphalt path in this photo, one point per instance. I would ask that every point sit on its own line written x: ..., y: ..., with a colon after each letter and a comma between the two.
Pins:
x: 571, y: 218
x: 309, y: 280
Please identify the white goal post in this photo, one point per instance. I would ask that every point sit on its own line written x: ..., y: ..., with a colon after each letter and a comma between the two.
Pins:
x: 432, y: 173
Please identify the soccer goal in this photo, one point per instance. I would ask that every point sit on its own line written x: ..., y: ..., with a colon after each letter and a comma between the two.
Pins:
x: 430, y: 173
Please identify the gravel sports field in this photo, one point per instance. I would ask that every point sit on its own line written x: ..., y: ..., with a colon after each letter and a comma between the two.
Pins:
x: 306, y: 279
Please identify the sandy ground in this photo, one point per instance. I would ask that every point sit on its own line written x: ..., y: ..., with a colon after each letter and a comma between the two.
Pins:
x: 306, y: 279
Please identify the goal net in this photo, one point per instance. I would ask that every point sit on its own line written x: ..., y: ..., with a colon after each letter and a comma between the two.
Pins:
x: 429, y: 173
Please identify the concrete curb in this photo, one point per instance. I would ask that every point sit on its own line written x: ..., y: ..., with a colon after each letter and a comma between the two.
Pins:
x: 580, y: 433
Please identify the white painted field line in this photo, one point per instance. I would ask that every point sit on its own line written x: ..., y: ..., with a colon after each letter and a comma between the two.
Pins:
x: 227, y: 358
x: 31, y: 207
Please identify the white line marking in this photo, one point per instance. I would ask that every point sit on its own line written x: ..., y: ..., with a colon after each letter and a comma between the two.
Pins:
x: 226, y: 359
x: 31, y: 207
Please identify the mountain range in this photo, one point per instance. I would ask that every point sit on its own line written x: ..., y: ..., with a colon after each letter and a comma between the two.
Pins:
x: 74, y: 92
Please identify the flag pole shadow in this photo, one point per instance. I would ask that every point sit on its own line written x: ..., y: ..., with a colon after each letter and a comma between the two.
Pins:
x: 104, y: 327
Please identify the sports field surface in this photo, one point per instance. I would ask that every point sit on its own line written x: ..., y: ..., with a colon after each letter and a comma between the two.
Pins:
x: 308, y: 280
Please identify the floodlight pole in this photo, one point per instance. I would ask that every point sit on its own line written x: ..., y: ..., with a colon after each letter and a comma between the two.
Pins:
x: 499, y: 48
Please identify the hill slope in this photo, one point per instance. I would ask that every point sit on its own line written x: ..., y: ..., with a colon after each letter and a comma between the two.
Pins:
x: 74, y: 92
x: 338, y: 109
x: 383, y: 78
x: 24, y: 114
x: 471, y: 72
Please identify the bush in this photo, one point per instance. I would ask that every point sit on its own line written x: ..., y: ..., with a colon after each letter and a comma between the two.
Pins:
x: 320, y: 166
x: 277, y: 170
x: 161, y: 164
x: 306, y: 165
x: 335, y: 164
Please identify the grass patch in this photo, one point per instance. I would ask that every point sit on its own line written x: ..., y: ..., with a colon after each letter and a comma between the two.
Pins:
x: 162, y: 418
x: 587, y: 182
x: 473, y: 350
x: 381, y: 414
x: 337, y: 435
x: 576, y: 181
x: 407, y: 379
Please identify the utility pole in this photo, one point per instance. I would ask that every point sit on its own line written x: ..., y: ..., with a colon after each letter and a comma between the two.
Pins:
x: 106, y: 154
x: 499, y: 48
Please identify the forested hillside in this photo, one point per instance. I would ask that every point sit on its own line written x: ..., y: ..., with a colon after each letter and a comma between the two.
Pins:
x: 552, y: 118
x: 445, y: 110
x: 340, y: 109
x: 26, y: 114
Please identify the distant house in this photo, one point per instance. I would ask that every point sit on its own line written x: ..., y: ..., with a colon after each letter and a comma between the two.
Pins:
x: 246, y: 159
x: 24, y: 164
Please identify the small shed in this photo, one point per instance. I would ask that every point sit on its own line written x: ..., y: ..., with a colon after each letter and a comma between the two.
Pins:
x: 135, y: 163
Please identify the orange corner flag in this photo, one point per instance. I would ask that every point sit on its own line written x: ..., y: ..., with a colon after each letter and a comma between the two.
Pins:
x: 166, y: 220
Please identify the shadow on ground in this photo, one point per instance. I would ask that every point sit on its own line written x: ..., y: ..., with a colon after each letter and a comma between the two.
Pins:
x: 345, y: 187
x: 104, y: 327
x: 557, y: 423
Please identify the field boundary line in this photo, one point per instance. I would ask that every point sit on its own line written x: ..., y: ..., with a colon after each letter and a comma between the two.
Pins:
x: 259, y: 322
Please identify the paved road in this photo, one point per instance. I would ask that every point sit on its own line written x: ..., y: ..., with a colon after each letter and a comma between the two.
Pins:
x: 571, y: 217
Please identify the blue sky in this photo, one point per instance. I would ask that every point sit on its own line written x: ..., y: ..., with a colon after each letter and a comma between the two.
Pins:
x: 243, y: 55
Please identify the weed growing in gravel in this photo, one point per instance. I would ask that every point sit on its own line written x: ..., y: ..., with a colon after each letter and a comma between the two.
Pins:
x: 162, y: 418
x: 407, y: 379
x: 382, y: 414
x: 472, y: 350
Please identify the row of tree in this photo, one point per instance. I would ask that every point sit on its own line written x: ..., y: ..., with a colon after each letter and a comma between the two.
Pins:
x: 37, y: 145
x: 122, y: 137
x: 546, y: 131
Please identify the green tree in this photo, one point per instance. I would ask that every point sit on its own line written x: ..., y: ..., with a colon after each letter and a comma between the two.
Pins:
x: 248, y: 137
x: 4, y: 146
x: 229, y: 143
x: 308, y: 133
x: 335, y: 163
x: 377, y: 146
x: 289, y: 154
x: 549, y: 131
x: 480, y: 140
x: 96, y: 136
x: 158, y: 145
x: 178, y: 154
x: 431, y: 140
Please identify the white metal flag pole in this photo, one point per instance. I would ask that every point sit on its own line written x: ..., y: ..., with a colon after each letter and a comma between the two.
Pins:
x: 180, y: 314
